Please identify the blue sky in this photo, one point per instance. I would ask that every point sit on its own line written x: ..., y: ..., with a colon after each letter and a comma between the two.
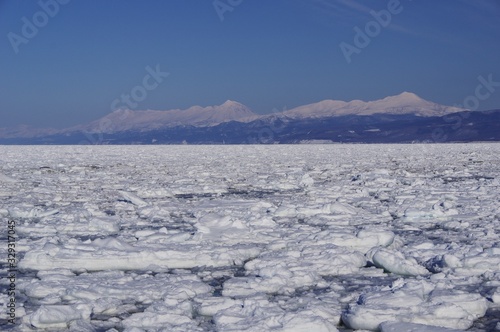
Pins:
x: 265, y: 54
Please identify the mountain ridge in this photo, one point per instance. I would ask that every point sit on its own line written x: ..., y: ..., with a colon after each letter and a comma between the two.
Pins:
x: 143, y: 120
x: 198, y: 116
x: 125, y: 120
x: 468, y: 126
x: 404, y: 103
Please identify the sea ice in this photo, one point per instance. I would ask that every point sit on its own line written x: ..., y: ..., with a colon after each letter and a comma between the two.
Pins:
x: 415, y: 301
x: 253, y: 238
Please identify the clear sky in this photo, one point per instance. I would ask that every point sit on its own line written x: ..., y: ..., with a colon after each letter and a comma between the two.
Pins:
x: 83, y: 55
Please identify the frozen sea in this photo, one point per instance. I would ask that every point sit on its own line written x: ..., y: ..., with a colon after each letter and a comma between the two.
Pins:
x: 251, y: 238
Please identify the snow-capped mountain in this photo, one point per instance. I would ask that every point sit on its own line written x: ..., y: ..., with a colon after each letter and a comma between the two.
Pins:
x: 401, y: 118
x: 404, y: 103
x: 126, y: 120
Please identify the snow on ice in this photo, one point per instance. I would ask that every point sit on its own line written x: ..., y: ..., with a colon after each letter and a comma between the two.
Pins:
x: 254, y: 238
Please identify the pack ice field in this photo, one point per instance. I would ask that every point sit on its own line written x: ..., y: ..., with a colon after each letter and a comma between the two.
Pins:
x: 251, y: 238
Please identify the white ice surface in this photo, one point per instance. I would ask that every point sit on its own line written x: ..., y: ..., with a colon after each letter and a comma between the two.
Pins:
x: 416, y: 302
x: 410, y: 327
x: 254, y: 238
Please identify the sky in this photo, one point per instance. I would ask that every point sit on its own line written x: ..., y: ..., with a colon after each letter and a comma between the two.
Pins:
x: 67, y: 62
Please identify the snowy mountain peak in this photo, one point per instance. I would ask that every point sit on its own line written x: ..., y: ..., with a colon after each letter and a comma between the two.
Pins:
x: 126, y: 120
x: 409, y: 96
x: 121, y: 120
x: 404, y: 103
x: 235, y: 106
x: 229, y: 103
x: 404, y: 98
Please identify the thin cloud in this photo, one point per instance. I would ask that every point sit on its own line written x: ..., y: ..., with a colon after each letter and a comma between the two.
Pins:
x: 340, y: 7
x: 402, y: 29
x: 330, y: 8
x: 354, y: 5
x: 490, y: 6
x: 355, y: 13
x: 482, y: 12
x: 347, y: 11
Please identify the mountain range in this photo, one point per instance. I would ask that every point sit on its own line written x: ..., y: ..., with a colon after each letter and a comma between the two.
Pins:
x: 402, y: 118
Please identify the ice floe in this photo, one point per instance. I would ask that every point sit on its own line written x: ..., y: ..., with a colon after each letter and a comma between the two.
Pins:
x: 253, y: 238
